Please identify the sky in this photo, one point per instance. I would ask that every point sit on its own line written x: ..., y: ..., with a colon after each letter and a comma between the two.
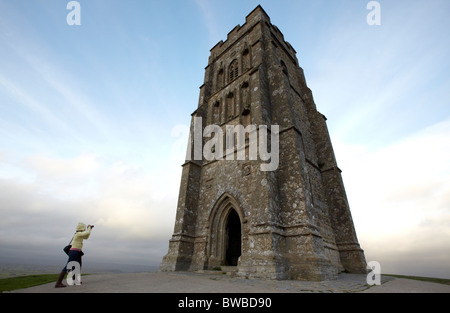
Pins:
x: 94, y: 120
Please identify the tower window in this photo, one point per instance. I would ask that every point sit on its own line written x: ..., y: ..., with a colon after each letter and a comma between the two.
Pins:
x: 246, y: 62
x: 233, y: 71
x: 284, y: 67
x: 220, y: 79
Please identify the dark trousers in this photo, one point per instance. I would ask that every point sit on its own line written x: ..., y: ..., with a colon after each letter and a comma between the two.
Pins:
x: 73, y: 256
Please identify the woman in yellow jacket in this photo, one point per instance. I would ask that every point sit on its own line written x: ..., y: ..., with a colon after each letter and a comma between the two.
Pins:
x: 75, y: 252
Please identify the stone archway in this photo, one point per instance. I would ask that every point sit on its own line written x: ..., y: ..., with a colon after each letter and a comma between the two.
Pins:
x: 225, y: 233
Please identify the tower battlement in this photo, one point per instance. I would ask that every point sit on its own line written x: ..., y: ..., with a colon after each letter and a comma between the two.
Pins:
x: 257, y: 16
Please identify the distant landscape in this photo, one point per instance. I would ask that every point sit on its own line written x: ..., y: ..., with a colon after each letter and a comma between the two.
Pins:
x: 16, y: 269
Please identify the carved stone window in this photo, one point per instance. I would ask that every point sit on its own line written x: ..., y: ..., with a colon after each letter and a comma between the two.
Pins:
x: 245, y: 96
x: 216, y: 112
x: 233, y: 71
x: 220, y: 80
x: 230, y: 104
x: 245, y: 60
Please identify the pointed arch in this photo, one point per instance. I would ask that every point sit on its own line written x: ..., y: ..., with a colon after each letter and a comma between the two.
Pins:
x: 226, y: 215
x: 233, y: 71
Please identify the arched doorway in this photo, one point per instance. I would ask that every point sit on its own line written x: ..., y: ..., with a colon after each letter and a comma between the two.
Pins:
x: 226, y: 235
x: 233, y: 239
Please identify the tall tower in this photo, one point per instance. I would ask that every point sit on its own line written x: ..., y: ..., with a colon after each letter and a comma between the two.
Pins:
x: 291, y: 221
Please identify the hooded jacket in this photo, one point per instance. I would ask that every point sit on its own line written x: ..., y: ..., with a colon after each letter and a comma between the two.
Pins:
x: 81, y: 234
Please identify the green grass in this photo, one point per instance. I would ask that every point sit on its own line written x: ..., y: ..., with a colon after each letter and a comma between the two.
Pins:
x: 429, y: 279
x: 13, y: 283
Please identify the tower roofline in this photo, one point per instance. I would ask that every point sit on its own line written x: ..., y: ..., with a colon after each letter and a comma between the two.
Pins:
x: 258, y: 8
x: 258, y: 15
x: 238, y: 27
x: 249, y: 22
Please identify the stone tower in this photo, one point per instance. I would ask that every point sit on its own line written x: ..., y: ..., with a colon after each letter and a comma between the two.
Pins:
x: 291, y: 221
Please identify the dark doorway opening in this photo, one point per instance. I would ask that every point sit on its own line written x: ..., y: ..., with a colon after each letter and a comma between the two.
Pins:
x: 233, y: 239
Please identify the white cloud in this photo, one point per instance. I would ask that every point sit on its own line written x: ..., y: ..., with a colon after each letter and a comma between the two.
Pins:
x: 23, y: 98
x: 58, y: 167
x: 400, y: 196
x: 130, y: 205
x: 70, y: 178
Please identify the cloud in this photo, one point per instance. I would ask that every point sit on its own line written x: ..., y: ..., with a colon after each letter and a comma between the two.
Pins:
x: 69, y: 168
x: 61, y: 83
x: 54, y: 96
x: 23, y: 98
x: 130, y: 206
x: 400, y: 197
